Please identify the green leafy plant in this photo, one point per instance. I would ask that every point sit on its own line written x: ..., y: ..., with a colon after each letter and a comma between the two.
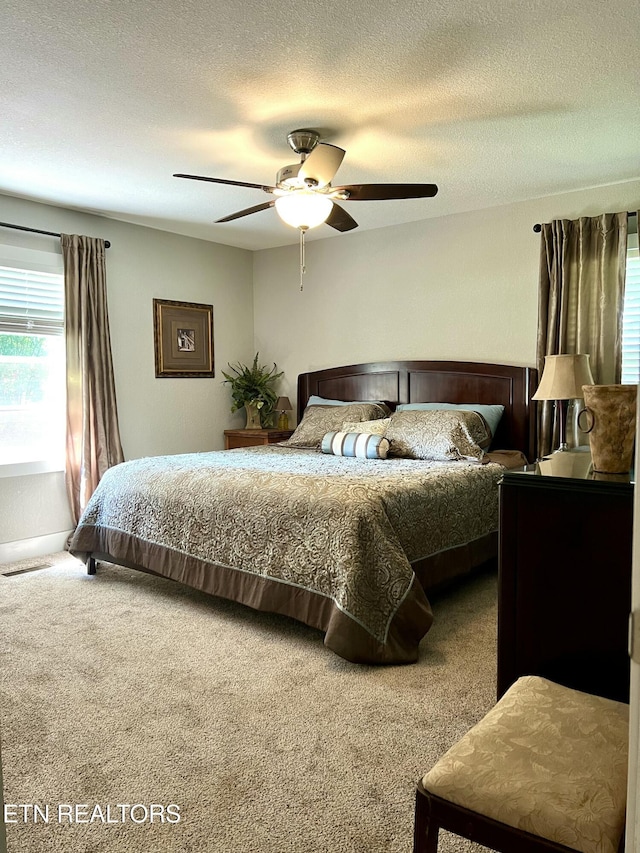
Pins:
x: 253, y: 385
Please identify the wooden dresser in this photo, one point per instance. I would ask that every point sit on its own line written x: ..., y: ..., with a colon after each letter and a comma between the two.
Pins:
x: 252, y: 437
x: 564, y: 598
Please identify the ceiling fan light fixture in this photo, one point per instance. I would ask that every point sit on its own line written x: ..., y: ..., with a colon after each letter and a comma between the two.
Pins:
x: 303, y: 209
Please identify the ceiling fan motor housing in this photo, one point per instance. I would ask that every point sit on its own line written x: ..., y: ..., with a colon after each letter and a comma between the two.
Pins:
x: 303, y: 141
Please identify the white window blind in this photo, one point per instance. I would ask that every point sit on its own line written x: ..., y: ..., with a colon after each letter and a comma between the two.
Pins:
x: 631, y: 316
x: 31, y: 301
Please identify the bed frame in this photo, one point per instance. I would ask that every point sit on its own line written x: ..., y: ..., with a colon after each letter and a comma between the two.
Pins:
x: 437, y: 381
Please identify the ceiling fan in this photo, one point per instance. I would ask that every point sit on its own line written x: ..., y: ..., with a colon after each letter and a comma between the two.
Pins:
x: 304, y: 195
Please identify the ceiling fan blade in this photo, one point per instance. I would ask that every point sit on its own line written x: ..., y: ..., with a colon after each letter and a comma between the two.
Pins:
x: 382, y: 192
x: 256, y: 209
x: 340, y: 219
x: 267, y: 189
x: 322, y: 164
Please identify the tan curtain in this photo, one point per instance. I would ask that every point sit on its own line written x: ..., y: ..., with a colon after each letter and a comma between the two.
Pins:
x: 582, y: 274
x: 93, y: 437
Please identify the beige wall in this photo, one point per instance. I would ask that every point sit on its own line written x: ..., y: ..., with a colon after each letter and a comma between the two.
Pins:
x: 459, y: 287
x: 157, y: 416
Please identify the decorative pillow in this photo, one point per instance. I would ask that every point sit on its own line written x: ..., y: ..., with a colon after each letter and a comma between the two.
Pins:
x: 491, y: 413
x: 319, y: 420
x: 362, y: 445
x: 323, y: 401
x: 441, y: 435
x: 376, y: 427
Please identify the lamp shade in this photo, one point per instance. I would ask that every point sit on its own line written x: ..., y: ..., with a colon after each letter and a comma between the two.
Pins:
x: 563, y: 377
x: 283, y: 404
x: 303, y: 209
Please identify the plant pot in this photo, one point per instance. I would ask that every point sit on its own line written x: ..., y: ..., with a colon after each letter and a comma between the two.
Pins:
x: 609, y: 418
x: 253, y: 416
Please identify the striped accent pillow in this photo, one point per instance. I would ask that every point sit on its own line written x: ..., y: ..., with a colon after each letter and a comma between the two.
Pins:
x: 362, y: 445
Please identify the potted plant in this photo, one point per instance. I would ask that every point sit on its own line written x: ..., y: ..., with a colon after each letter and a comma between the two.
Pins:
x: 252, y: 388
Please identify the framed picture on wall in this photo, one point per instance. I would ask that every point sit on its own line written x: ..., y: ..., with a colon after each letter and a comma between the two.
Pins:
x: 183, y: 338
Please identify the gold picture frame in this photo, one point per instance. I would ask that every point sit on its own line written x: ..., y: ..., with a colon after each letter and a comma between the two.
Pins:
x: 183, y: 339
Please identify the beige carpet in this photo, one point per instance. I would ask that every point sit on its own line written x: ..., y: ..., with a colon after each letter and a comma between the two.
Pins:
x: 127, y: 689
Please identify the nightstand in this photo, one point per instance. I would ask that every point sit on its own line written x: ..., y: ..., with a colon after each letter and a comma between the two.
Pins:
x: 564, y: 592
x: 252, y: 437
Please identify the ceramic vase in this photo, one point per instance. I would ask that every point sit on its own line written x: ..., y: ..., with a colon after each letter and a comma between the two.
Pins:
x: 609, y: 419
x: 253, y: 416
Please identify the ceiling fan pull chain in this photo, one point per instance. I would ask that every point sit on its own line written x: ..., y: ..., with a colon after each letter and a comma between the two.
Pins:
x: 303, y: 267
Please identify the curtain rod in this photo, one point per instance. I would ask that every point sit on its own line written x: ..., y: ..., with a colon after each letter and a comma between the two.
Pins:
x: 38, y: 231
x: 538, y: 228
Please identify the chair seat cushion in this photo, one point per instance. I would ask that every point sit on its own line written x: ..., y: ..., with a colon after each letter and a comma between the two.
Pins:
x: 546, y: 759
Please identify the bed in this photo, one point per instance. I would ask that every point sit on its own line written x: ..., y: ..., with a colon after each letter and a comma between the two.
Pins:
x: 348, y: 545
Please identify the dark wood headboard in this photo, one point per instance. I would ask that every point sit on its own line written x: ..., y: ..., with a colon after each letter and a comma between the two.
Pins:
x: 436, y: 381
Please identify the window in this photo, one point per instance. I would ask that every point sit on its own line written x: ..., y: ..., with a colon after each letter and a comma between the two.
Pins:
x: 631, y: 316
x: 32, y: 370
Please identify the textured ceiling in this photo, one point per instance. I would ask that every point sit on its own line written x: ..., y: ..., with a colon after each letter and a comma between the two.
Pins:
x: 495, y: 101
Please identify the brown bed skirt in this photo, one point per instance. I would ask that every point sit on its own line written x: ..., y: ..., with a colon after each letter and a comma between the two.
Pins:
x: 440, y: 569
x: 343, y: 635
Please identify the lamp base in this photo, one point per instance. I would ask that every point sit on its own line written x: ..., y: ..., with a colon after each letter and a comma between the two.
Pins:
x: 283, y: 421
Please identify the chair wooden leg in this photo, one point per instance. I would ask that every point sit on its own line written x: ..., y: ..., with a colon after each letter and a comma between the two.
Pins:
x: 431, y: 841
x: 425, y: 829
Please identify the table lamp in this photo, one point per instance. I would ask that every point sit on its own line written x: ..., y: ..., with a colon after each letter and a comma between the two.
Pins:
x: 283, y: 405
x: 562, y: 380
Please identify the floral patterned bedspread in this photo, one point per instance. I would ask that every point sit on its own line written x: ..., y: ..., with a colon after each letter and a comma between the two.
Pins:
x: 347, y: 529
